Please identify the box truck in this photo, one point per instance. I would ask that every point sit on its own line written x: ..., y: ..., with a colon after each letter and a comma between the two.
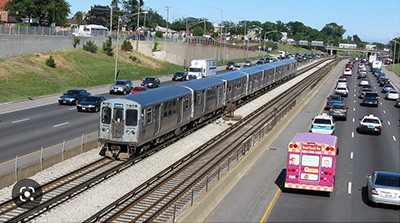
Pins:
x: 200, y: 68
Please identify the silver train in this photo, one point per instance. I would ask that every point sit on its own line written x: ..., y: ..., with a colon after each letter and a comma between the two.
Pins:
x: 132, y: 124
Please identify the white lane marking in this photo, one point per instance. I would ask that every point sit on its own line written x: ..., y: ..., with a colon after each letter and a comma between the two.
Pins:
x: 61, y: 124
x: 351, y: 155
x: 21, y: 120
x: 394, y: 138
x: 349, y: 188
x: 354, y: 101
x: 354, y: 119
x: 71, y: 109
x: 354, y: 109
x: 354, y: 90
x: 354, y: 95
x: 383, y: 110
x: 388, y: 123
x: 352, y: 134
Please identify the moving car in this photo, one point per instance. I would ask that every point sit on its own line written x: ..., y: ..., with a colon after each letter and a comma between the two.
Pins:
x: 73, y: 96
x: 371, y: 98
x: 347, y: 71
x: 138, y: 89
x: 364, y: 90
x: 333, y: 99
x: 370, y: 124
x: 338, y: 111
x: 237, y: 67
x: 342, y: 91
x: 363, y: 82
x: 151, y: 82
x: 121, y: 87
x: 179, y: 76
x: 323, y: 123
x: 383, y: 187
x: 230, y: 65
x: 90, y: 103
x: 248, y: 63
x: 387, y: 87
x: 392, y: 94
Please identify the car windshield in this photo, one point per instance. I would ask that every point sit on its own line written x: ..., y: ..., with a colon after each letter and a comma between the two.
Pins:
x: 72, y: 92
x: 335, y: 98
x: 192, y: 69
x: 388, y: 180
x: 91, y: 99
x: 178, y: 74
x: 338, y: 106
x: 371, y: 120
x: 149, y: 79
x: 120, y: 83
x: 322, y: 121
x: 139, y: 89
x: 371, y: 94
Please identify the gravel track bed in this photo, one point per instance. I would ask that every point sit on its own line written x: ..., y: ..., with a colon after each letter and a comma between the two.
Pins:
x: 89, y: 202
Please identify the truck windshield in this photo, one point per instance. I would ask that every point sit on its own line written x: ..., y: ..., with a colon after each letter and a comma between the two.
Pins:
x: 192, y: 69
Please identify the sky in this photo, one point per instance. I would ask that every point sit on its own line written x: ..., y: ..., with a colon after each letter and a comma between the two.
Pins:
x: 371, y: 20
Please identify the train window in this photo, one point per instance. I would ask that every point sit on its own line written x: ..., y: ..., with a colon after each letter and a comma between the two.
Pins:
x: 186, y: 103
x: 198, y: 98
x: 149, y: 115
x: 131, y: 117
x: 118, y: 114
x: 229, y: 88
x: 106, y: 115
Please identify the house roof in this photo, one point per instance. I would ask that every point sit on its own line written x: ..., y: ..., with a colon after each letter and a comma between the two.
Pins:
x: 2, y: 4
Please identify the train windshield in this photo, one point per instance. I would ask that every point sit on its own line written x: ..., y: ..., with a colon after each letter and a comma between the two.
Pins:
x: 106, y: 115
x: 131, y: 117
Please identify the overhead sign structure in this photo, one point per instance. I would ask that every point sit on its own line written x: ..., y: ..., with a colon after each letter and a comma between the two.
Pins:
x: 303, y: 42
x: 317, y: 43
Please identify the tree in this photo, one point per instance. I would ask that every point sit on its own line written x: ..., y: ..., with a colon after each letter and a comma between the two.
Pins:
x: 198, y: 31
x: 99, y: 15
x: 333, y: 33
x: 79, y: 18
x: 44, y: 11
x: 107, y: 47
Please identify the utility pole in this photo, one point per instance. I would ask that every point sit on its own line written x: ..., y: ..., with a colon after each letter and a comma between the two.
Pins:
x: 137, y: 25
x: 167, y: 9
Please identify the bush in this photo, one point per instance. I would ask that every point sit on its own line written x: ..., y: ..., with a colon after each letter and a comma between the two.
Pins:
x: 126, y: 46
x: 270, y: 44
x: 134, y: 59
x: 76, y: 42
x: 51, y: 62
x: 155, y: 47
x: 107, y: 47
x: 90, y: 46
x: 159, y: 34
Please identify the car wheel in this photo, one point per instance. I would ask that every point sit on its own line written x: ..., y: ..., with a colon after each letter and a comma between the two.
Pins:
x: 97, y: 109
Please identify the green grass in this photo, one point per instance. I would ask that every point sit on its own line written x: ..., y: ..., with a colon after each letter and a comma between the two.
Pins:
x: 28, y: 76
x: 394, y: 68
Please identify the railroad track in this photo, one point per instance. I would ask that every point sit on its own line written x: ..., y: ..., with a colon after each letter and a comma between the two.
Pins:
x: 166, y: 195
x: 62, y: 189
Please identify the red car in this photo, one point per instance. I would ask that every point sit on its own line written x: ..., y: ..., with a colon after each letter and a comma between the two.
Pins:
x: 138, y: 89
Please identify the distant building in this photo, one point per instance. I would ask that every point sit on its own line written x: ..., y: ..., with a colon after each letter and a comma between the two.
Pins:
x: 3, y: 13
x: 370, y: 47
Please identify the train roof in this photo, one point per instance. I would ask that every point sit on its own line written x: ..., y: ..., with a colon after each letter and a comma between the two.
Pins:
x: 252, y: 70
x: 284, y: 62
x: 231, y: 75
x: 158, y: 95
x: 203, y: 83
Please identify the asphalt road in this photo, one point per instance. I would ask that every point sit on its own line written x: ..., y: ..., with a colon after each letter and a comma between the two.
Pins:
x: 250, y: 200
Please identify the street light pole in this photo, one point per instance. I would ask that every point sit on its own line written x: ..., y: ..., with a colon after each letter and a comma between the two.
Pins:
x: 137, y: 26
x: 116, y: 52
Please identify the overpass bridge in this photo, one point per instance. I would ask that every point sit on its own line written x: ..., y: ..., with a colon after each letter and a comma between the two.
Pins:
x: 333, y: 49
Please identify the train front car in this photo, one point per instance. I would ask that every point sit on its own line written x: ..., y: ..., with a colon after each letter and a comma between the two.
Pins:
x: 119, y: 127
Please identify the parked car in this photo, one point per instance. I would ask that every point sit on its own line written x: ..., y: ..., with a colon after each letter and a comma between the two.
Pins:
x: 90, y: 103
x: 333, y: 99
x: 383, y: 187
x: 323, y: 123
x: 338, y: 111
x: 230, y: 65
x: 151, y: 82
x: 138, y: 89
x: 370, y: 124
x: 121, y: 87
x: 370, y: 98
x: 179, y: 76
x: 73, y: 96
x: 392, y: 94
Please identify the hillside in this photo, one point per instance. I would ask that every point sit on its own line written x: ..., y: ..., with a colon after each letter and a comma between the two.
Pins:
x: 28, y: 76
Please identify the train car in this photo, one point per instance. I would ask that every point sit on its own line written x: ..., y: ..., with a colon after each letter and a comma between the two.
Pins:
x: 128, y: 125
x: 235, y: 84
x: 208, y: 97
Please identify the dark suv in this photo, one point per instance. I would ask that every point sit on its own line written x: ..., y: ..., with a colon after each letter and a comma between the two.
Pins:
x: 72, y: 97
x: 371, y: 99
x: 151, y: 82
x: 179, y: 76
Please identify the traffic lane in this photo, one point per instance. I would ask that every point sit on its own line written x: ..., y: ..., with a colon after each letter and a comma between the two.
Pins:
x: 17, y: 141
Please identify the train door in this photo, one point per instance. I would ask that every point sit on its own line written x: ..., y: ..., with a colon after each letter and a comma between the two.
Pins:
x: 179, y: 110
x: 118, y: 121
x: 157, y: 119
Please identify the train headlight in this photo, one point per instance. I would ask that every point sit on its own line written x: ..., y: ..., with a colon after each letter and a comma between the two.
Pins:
x: 130, y: 132
x: 104, y: 129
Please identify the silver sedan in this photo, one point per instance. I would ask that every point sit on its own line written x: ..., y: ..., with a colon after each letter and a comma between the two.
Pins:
x: 384, y: 187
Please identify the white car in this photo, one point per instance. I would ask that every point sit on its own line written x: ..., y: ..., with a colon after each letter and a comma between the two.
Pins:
x: 341, y: 84
x: 363, y: 82
x: 392, y: 94
x: 347, y: 72
x: 237, y: 67
x: 370, y: 124
x: 342, y: 91
x: 324, y: 124
x: 383, y: 187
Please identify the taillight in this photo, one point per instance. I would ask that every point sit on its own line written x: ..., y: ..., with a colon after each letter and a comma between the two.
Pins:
x: 379, y: 127
x: 373, y: 191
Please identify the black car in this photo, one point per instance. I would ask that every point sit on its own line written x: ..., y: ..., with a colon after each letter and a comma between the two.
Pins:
x: 73, y: 96
x: 179, y: 76
x: 90, y: 103
x: 230, y: 65
x: 151, y: 82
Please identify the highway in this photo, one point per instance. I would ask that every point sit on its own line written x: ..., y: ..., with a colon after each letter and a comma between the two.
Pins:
x: 260, y: 196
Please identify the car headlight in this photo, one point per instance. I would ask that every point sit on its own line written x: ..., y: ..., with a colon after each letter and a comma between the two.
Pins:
x: 79, y: 105
x: 91, y: 106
